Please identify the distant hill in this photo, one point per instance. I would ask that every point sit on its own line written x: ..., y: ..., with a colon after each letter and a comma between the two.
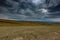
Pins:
x: 25, y: 23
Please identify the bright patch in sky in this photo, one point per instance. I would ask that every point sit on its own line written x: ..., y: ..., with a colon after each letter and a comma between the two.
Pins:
x: 37, y: 1
x: 44, y: 10
x: 55, y: 19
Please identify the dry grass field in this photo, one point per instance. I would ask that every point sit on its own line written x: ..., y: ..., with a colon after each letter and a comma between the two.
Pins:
x: 12, y: 30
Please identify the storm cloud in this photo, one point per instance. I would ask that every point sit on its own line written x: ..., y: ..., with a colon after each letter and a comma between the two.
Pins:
x: 30, y: 9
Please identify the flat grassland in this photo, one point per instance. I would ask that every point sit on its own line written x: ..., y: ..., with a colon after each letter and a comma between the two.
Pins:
x: 12, y: 30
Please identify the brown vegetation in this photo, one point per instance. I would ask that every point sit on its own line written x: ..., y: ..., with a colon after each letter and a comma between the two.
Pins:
x: 21, y: 30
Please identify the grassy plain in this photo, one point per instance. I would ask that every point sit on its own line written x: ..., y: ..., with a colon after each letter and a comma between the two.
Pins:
x: 12, y: 30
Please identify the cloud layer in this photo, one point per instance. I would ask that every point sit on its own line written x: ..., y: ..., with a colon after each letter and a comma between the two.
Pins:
x: 30, y: 10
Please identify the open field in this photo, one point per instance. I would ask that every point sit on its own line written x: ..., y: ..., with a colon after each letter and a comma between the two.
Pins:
x: 11, y: 30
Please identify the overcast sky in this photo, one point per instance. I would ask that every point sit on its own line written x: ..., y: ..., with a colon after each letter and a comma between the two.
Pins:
x: 31, y: 10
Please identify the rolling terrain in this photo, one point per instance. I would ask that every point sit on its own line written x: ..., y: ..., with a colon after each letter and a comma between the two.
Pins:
x: 21, y: 30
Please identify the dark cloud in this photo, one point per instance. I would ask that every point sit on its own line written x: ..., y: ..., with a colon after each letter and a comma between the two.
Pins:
x: 30, y: 9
